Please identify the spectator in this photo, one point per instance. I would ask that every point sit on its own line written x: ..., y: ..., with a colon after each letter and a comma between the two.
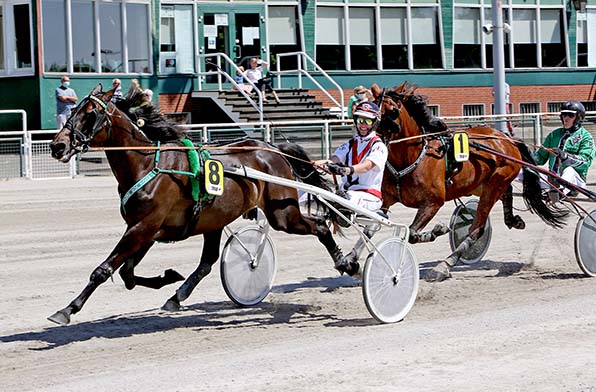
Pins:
x: 117, y: 96
x: 239, y: 79
x: 66, y: 99
x: 507, y: 106
x: 255, y: 75
x: 360, y: 95
x: 148, y: 94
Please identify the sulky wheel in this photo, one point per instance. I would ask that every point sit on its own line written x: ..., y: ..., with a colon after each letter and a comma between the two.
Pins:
x: 585, y: 243
x: 459, y: 226
x: 246, y: 275
x: 390, y: 281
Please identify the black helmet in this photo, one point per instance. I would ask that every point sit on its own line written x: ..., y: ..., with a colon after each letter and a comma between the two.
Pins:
x: 576, y: 108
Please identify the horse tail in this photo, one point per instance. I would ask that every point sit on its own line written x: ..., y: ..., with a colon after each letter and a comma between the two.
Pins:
x: 305, y: 171
x: 532, y: 194
x: 302, y: 166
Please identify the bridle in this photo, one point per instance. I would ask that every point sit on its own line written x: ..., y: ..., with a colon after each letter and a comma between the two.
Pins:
x: 388, y: 124
x: 79, y: 139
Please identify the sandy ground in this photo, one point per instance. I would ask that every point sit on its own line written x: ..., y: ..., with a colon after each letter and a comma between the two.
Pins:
x: 522, y: 320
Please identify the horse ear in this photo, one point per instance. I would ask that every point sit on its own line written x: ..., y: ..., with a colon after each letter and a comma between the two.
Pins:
x: 96, y: 90
x: 376, y: 90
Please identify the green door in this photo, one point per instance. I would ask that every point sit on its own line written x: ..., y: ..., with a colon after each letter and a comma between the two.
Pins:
x: 239, y: 32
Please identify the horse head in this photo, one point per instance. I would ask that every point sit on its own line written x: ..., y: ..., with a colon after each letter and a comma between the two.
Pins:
x: 86, y: 125
x: 404, y: 113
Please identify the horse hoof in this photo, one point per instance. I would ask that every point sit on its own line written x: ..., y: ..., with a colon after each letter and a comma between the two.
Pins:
x: 440, y: 229
x: 172, y: 276
x: 350, y: 268
x: 171, y: 305
x: 438, y: 274
x: 60, y: 318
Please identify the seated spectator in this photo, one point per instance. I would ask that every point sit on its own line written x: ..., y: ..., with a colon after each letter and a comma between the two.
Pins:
x: 239, y: 79
x: 255, y: 75
x: 117, y: 84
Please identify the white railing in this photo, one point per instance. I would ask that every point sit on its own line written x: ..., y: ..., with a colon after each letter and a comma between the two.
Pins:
x: 302, y: 59
x: 319, y: 137
x: 26, y: 141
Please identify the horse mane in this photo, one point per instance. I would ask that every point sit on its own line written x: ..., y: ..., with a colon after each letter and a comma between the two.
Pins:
x: 156, y: 127
x: 417, y: 107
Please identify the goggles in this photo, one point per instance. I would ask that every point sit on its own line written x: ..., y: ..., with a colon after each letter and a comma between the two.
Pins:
x: 367, y: 121
x: 568, y: 114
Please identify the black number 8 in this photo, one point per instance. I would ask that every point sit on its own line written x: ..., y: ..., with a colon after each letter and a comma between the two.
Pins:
x: 213, y: 173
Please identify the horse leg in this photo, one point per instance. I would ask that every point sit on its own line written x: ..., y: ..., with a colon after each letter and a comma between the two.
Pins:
x: 129, y: 245
x: 291, y: 221
x: 369, y: 232
x: 442, y: 270
x: 209, y: 256
x: 423, y: 216
x: 157, y: 282
x: 512, y: 221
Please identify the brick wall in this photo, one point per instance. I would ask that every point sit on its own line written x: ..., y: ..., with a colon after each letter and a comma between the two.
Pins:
x: 174, y: 103
x: 451, y: 99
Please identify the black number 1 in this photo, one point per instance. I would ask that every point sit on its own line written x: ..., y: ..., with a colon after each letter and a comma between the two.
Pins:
x: 461, y: 143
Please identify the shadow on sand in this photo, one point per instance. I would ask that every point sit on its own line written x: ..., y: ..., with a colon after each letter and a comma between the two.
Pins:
x: 204, y: 316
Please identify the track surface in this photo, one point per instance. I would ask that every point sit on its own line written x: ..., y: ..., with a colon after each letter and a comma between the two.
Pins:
x: 523, y: 320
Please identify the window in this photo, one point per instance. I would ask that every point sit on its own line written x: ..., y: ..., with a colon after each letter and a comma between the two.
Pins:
x: 137, y: 39
x: 552, y: 107
x: 553, y: 53
x: 589, y: 105
x: 402, y: 43
x: 363, y: 52
x: 330, y: 38
x: 82, y: 48
x: 473, y: 110
x: 435, y: 110
x: 394, y: 44
x: 467, y: 49
x: 529, y: 107
x: 426, y: 38
x: 176, y: 48
x: 586, y: 38
x: 524, y: 38
x: 16, y: 49
x: 119, y: 42
x: 283, y: 34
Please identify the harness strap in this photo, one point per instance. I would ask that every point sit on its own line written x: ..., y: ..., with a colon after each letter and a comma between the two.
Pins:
x: 195, y: 169
x: 357, y: 158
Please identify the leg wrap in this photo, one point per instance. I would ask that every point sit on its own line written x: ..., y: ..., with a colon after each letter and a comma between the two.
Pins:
x: 100, y: 275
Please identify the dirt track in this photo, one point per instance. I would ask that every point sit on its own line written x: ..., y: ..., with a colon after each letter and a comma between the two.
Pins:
x: 524, y: 320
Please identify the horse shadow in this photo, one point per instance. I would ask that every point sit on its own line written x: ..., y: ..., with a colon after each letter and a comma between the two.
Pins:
x: 217, y: 315
x: 503, y: 269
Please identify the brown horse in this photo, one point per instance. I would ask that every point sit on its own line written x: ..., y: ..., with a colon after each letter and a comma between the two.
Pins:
x: 164, y: 209
x: 422, y: 174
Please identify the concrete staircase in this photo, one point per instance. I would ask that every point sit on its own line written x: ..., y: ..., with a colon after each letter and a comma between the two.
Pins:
x: 295, y: 104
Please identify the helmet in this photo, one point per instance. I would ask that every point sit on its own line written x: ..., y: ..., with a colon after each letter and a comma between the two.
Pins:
x: 576, y: 108
x: 368, y: 110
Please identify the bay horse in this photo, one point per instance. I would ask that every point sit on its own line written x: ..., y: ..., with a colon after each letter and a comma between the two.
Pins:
x: 421, y: 174
x: 164, y: 209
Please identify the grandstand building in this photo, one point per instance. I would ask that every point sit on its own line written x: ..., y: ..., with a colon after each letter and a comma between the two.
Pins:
x: 550, y: 53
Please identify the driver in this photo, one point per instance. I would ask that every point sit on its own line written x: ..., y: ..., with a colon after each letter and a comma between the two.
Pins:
x: 361, y: 162
x: 572, y: 145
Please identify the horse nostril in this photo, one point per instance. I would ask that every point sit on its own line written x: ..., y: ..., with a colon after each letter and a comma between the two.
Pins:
x: 57, y: 148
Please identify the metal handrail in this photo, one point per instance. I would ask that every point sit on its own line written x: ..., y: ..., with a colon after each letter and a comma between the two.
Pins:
x: 220, y: 72
x: 302, y: 59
